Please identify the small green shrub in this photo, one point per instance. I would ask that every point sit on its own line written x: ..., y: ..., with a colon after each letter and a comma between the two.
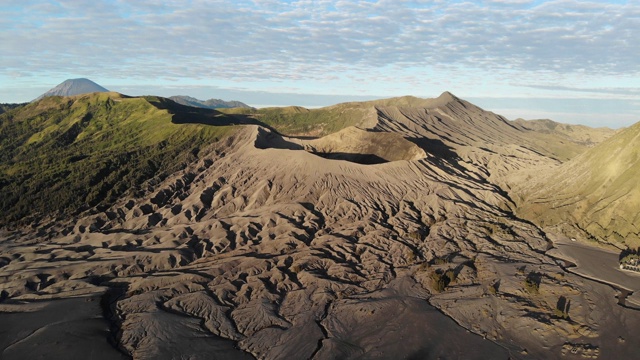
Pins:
x: 451, y: 275
x: 532, y: 283
x: 439, y: 281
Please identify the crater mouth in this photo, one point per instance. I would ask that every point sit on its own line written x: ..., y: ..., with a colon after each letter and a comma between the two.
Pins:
x: 350, y: 144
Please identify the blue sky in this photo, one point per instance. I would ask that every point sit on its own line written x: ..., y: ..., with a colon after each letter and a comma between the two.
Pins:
x: 571, y: 61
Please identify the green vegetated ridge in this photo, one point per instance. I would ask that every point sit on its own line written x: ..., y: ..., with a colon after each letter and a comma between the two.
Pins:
x: 7, y: 107
x: 300, y: 121
x: 61, y: 155
x: 580, y: 134
x: 597, y: 191
x: 208, y: 104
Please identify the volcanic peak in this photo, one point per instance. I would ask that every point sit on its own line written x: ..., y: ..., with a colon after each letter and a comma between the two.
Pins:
x: 72, y: 87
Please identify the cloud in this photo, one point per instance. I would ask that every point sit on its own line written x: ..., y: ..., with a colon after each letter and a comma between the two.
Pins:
x: 361, y: 47
x: 634, y: 92
x: 264, y: 38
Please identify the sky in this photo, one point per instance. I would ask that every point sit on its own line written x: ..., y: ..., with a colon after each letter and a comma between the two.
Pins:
x: 570, y: 61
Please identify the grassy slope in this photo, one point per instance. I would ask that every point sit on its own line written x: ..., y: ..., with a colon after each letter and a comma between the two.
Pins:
x: 6, y: 107
x: 299, y: 121
x: 576, y: 133
x: 68, y: 154
x: 598, y: 190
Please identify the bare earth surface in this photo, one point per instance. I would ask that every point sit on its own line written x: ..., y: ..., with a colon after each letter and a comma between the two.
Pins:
x: 599, y: 264
x: 264, y: 249
x: 57, y: 329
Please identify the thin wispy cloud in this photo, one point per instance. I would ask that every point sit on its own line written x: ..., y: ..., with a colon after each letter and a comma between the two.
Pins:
x: 632, y: 92
x: 556, y: 36
x: 323, y: 46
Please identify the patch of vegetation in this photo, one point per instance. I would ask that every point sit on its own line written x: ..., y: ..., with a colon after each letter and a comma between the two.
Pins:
x: 494, y: 288
x: 438, y: 281
x: 68, y: 154
x: 410, y: 257
x: 441, y: 279
x: 440, y: 260
x: 7, y: 107
x: 297, y: 268
x: 561, y: 310
x: 451, y: 275
x: 418, y: 235
x: 299, y: 121
x: 532, y: 283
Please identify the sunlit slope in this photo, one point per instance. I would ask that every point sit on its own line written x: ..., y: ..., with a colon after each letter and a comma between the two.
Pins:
x: 66, y: 154
x: 457, y: 124
x: 7, y: 107
x: 446, y: 122
x: 73, y: 87
x: 597, y: 191
x: 386, y: 146
x: 463, y: 137
x: 300, y: 121
x: 575, y: 133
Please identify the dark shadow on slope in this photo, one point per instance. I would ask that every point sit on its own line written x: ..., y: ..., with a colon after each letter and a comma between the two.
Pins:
x: 273, y: 140
x: 303, y: 137
x: 435, y: 147
x: 444, y: 156
x: 364, y: 159
x: 183, y: 114
x: 448, y: 160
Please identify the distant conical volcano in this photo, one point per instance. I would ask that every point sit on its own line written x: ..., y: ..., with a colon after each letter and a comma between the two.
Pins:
x: 74, y: 87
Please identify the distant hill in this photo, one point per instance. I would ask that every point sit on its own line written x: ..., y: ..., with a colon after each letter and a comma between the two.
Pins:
x: 6, y: 107
x: 208, y: 104
x: 72, y: 87
x: 576, y: 133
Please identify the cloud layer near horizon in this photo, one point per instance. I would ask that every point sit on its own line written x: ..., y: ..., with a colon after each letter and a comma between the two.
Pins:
x: 378, y: 47
x: 282, y: 39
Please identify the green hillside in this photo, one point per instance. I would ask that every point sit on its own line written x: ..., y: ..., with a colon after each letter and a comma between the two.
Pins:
x: 580, y: 134
x: 596, y: 191
x: 66, y: 154
x: 7, y: 107
x: 299, y: 121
